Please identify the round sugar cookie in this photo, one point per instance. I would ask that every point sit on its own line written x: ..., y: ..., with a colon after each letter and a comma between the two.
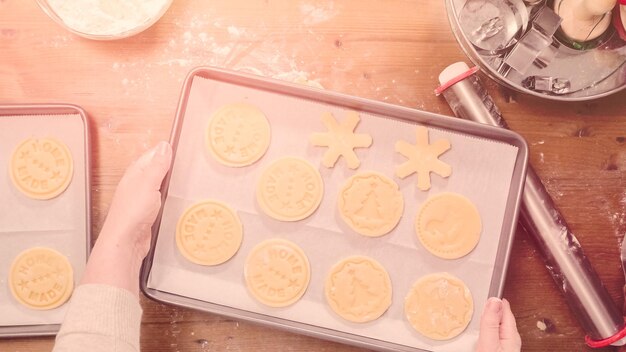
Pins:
x: 41, y: 168
x: 290, y: 189
x: 358, y: 289
x: 439, y: 306
x: 209, y: 233
x: 371, y: 204
x: 277, y: 272
x: 238, y: 134
x: 448, y: 225
x: 41, y: 278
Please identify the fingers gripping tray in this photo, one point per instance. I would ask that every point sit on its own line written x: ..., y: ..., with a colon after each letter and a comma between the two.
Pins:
x: 45, y: 227
x: 305, y: 210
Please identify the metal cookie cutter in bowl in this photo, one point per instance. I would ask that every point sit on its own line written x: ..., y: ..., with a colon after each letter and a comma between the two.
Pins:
x: 520, y: 44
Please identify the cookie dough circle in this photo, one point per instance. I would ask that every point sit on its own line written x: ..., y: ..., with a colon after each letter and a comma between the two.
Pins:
x: 371, y: 204
x: 290, y: 189
x: 277, y: 272
x: 448, y: 225
x: 209, y: 233
x: 358, y: 289
x: 238, y: 135
x: 41, y: 168
x: 439, y: 306
x: 41, y: 278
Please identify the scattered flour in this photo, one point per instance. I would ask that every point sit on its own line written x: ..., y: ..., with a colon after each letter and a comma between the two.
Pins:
x: 60, y: 41
x: 317, y: 14
x: 179, y: 62
x: 110, y: 17
x: 235, y: 32
x: 541, y: 325
x: 299, y: 77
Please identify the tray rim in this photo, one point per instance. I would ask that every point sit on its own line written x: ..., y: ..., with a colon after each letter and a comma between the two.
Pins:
x: 366, y: 105
x: 53, y: 109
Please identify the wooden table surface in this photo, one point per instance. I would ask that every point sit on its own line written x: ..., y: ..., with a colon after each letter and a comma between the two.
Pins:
x: 390, y: 51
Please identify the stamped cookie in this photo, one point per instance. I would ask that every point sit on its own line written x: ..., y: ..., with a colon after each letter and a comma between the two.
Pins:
x: 41, y: 168
x: 423, y: 158
x: 290, y: 189
x: 277, y: 272
x: 238, y: 135
x: 448, y: 225
x: 358, y: 289
x: 41, y: 278
x: 341, y: 140
x: 209, y: 233
x: 371, y: 204
x: 439, y: 306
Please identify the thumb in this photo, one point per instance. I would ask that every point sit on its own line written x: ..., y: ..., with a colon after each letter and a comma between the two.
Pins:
x: 489, y: 336
x: 137, y: 198
x: 509, y: 335
x: 148, y: 171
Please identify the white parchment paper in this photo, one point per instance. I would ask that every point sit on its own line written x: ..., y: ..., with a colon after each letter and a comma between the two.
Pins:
x: 482, y: 171
x: 59, y: 223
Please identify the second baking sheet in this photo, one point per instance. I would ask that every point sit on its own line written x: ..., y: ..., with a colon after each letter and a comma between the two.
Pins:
x: 61, y: 223
x: 482, y: 171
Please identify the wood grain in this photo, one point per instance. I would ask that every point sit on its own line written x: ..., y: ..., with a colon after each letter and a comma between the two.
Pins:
x: 390, y: 51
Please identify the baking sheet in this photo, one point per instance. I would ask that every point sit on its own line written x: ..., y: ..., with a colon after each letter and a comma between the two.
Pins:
x: 482, y: 171
x: 60, y: 223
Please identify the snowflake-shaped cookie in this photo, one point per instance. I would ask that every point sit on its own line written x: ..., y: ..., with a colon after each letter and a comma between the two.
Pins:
x: 341, y: 140
x: 423, y: 158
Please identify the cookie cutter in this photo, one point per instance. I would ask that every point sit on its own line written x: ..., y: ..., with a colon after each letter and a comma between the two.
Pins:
x: 593, y: 72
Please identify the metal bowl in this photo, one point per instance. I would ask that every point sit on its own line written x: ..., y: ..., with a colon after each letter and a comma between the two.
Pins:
x: 564, y: 71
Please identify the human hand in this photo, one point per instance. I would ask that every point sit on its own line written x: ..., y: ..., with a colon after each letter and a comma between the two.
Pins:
x: 137, y: 199
x: 498, y: 331
x: 125, y: 237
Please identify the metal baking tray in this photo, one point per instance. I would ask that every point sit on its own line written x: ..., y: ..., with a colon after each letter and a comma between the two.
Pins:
x: 163, y: 261
x: 69, y: 234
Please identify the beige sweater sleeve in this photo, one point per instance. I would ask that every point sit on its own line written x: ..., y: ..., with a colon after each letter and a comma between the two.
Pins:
x: 100, y: 318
